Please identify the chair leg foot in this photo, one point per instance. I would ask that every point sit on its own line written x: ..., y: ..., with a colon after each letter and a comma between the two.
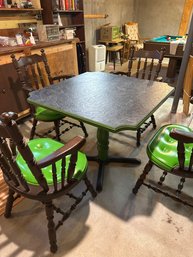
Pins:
x: 9, y: 203
x: 90, y: 187
x: 51, y: 226
x: 142, y: 177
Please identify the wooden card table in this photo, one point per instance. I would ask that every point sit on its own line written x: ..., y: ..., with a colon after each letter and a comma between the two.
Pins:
x: 109, y: 102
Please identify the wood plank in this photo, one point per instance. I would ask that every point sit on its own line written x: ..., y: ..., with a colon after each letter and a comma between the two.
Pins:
x: 62, y: 59
x: 186, y: 15
x: 95, y: 16
x: 188, y: 81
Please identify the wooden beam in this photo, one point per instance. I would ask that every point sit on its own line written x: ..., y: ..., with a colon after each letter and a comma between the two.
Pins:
x: 95, y: 16
x: 185, y: 17
x: 188, y: 80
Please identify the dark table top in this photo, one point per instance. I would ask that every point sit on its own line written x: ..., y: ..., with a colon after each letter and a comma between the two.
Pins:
x: 104, y: 100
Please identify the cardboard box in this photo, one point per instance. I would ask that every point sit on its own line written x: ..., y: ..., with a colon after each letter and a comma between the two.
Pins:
x: 109, y: 32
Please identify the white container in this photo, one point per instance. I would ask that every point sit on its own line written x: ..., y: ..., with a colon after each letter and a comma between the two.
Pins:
x: 97, y: 55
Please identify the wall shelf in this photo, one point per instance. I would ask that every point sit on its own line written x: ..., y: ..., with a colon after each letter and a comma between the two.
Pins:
x: 70, y: 11
x: 20, y: 10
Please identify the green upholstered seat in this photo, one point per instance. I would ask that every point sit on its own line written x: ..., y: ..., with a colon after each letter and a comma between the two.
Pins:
x: 47, y: 115
x: 162, y: 149
x: 42, y: 147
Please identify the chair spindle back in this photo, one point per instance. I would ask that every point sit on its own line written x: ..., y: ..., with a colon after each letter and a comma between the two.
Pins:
x: 33, y: 71
x: 145, y: 59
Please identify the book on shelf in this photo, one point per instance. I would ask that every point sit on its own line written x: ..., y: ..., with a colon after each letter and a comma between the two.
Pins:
x: 62, y: 5
x: 68, y: 5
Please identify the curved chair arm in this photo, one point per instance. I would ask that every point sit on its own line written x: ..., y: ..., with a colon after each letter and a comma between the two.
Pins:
x: 182, y: 136
x: 69, y: 148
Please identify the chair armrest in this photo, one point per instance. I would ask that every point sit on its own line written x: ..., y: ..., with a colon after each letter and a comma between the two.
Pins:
x: 62, y: 77
x: 70, y: 147
x: 182, y: 136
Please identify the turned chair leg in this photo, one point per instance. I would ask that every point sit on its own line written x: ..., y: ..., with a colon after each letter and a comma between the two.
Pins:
x: 90, y: 187
x: 114, y: 59
x: 57, y: 129
x: 107, y: 53
x: 51, y: 226
x: 9, y: 203
x: 121, y: 61
x: 84, y: 129
x: 34, y: 123
x: 142, y: 177
x: 153, y: 121
x: 138, y: 137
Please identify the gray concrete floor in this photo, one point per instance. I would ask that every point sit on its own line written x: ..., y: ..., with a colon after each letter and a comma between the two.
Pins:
x: 116, y: 223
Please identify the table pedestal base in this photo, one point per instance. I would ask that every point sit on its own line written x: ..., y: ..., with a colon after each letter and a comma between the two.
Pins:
x: 101, y: 169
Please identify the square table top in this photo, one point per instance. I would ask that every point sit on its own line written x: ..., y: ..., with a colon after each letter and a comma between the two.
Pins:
x: 104, y: 100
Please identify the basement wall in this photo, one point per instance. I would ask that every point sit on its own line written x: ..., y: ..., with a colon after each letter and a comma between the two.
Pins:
x: 155, y: 17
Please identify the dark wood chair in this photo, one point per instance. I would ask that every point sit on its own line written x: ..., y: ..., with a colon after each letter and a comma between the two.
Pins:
x: 34, y: 73
x: 42, y: 169
x: 170, y: 150
x: 144, y: 64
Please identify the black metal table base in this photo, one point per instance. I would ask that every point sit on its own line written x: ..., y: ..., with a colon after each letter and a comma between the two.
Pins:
x: 101, y: 169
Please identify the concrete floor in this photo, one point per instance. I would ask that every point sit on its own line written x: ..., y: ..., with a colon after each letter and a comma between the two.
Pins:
x: 116, y: 223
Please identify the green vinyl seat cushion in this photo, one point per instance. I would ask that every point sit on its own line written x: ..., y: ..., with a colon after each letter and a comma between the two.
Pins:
x: 162, y: 149
x: 44, y: 114
x: 42, y: 147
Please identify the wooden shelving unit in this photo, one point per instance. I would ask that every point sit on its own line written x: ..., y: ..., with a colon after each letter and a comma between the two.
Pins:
x: 69, y: 19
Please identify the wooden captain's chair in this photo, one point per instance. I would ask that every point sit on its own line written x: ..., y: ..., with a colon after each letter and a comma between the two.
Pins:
x: 42, y: 169
x: 34, y: 73
x: 144, y: 64
x: 170, y: 150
